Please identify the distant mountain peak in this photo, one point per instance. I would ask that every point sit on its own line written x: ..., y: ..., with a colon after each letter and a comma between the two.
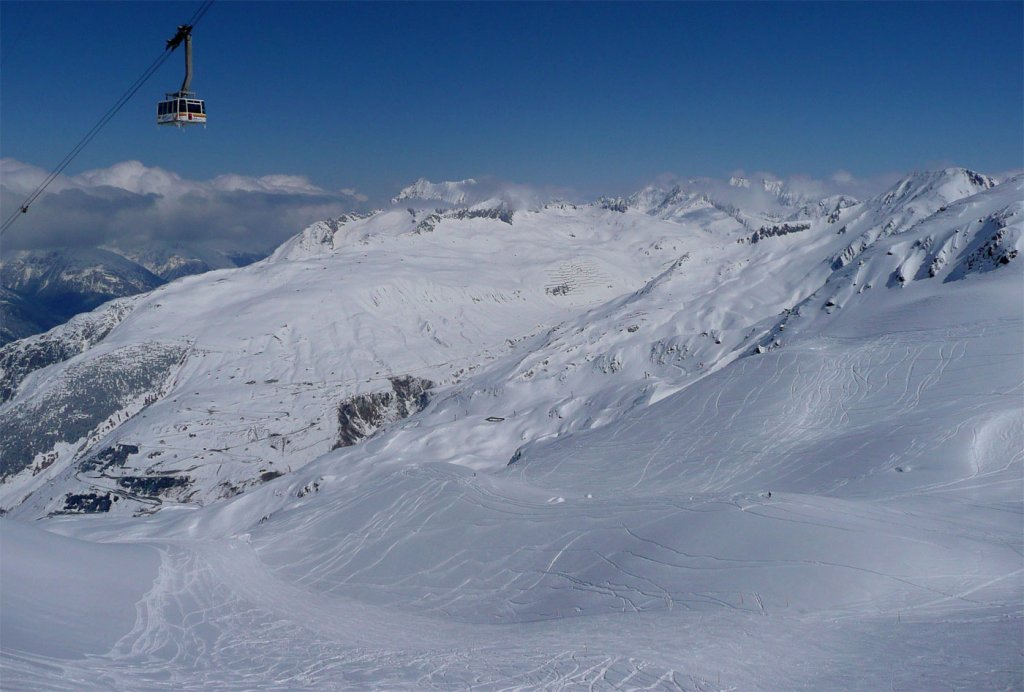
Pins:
x: 450, y: 192
x: 773, y: 185
x: 947, y: 184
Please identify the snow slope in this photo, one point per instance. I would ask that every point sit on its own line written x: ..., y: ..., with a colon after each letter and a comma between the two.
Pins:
x: 779, y: 454
x: 44, y: 288
x: 269, y: 352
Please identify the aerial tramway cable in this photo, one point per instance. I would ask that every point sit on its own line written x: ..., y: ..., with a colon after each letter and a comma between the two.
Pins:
x: 111, y: 112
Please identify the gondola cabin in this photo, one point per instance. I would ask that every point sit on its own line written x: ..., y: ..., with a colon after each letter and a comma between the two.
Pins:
x: 181, y: 108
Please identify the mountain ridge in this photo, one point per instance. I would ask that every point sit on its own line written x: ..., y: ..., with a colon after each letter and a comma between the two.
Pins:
x: 672, y: 242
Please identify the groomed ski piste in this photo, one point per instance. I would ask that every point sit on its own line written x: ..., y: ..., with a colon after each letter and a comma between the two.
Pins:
x: 664, y: 442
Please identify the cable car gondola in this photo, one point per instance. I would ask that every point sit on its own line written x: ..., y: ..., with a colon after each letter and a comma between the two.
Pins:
x: 182, y: 107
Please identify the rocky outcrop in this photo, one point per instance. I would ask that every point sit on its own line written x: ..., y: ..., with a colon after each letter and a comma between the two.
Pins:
x: 364, y: 414
x: 778, y: 230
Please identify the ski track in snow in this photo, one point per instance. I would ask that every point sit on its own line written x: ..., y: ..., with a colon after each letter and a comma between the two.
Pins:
x: 216, y: 615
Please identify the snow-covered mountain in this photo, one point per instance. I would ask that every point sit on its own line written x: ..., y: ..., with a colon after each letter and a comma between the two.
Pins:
x: 449, y: 192
x: 93, y: 275
x: 554, y: 445
x: 474, y: 194
x: 63, y: 283
x: 728, y: 205
x: 44, y: 288
x: 172, y: 261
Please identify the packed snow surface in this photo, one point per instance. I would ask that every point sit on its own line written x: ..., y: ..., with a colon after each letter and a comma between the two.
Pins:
x: 679, y: 440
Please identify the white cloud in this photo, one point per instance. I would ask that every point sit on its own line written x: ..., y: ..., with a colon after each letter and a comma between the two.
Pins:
x: 130, y: 203
x: 288, y: 184
x: 354, y: 194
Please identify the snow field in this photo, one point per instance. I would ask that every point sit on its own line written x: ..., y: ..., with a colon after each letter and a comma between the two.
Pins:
x: 717, y: 465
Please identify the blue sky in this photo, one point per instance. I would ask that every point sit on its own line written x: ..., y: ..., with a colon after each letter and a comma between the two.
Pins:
x: 596, y: 97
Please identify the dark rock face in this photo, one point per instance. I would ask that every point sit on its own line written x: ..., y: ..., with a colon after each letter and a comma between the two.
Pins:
x: 151, y: 485
x: 992, y: 248
x: 501, y: 213
x: 614, y: 204
x: 115, y: 455
x: 979, y: 180
x: 430, y: 222
x: 87, y: 503
x: 364, y: 414
x: 779, y: 230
